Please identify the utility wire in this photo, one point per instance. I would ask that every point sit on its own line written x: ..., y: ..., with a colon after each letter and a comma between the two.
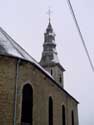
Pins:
x: 80, y: 34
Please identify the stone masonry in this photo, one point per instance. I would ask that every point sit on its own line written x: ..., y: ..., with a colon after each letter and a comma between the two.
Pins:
x: 43, y: 87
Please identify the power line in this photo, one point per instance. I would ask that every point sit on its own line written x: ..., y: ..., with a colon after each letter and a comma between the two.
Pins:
x: 80, y: 34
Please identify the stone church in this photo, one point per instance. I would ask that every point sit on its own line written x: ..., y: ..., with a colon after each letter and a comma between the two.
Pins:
x: 33, y: 93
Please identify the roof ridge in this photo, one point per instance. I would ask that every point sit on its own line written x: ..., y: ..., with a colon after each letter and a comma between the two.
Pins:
x: 10, y: 39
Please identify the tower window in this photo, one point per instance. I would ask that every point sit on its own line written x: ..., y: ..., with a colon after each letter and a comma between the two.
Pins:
x: 60, y: 79
x: 27, y: 105
x: 51, y: 72
x: 50, y: 111
x: 72, y: 117
x: 63, y: 115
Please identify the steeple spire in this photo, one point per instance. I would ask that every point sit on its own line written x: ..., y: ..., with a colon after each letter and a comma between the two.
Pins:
x: 49, y: 59
x: 49, y: 54
x: 49, y: 28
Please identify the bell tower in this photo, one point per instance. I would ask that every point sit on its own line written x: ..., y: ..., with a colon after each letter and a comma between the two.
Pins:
x: 49, y: 60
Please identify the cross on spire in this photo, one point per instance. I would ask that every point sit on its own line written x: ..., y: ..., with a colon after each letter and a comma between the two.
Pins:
x: 49, y: 14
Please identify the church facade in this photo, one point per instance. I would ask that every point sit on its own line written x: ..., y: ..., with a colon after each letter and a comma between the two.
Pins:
x: 33, y: 93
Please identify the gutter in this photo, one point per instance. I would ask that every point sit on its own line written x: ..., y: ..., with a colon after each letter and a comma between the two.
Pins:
x: 15, y: 91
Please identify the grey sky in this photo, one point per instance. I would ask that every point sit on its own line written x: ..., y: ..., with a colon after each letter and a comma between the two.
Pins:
x: 26, y: 21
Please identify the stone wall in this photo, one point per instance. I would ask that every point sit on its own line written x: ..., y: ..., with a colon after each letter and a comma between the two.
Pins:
x: 43, y: 87
x: 56, y: 73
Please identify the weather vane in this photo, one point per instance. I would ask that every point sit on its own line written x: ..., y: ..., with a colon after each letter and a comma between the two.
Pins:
x: 49, y: 14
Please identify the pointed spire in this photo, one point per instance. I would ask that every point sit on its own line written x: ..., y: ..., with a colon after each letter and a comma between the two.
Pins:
x: 49, y: 54
x: 49, y: 59
x: 49, y: 28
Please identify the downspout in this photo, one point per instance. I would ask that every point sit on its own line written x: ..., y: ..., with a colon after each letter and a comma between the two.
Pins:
x: 15, y: 91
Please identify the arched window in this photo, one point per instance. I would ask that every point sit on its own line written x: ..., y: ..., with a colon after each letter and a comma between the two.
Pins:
x: 50, y: 111
x: 27, y: 105
x: 63, y: 115
x: 72, y: 117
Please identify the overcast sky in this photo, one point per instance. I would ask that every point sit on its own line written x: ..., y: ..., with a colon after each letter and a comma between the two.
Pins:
x: 26, y: 20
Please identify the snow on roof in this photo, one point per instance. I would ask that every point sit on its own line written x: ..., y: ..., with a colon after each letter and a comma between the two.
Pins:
x: 9, y: 47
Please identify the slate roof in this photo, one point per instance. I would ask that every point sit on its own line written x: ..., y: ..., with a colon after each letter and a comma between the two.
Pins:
x: 9, y: 47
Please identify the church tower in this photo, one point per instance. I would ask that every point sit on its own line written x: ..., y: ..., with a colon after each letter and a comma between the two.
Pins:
x: 49, y: 60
